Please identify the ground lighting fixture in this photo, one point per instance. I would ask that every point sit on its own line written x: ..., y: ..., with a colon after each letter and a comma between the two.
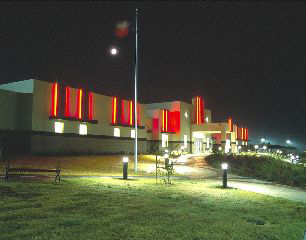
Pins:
x: 125, y: 161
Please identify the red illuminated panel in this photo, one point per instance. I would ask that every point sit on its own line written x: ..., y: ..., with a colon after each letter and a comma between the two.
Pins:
x: 199, y: 110
x: 67, y: 102
x: 114, y: 112
x: 230, y: 124
x: 245, y: 134
x: 54, y: 100
x: 90, y: 103
x: 174, y: 119
x: 122, y: 112
x: 138, y: 114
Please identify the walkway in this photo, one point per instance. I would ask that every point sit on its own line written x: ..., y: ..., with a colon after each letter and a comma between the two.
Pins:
x: 195, y: 166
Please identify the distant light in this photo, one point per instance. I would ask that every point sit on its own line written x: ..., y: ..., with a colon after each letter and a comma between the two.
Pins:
x: 239, y: 147
x: 224, y: 165
x: 220, y: 148
x: 263, y: 140
x: 264, y: 147
x: 83, y: 129
x: 280, y: 152
x: 166, y: 155
x: 133, y: 133
x: 125, y: 159
x: 58, y: 127
x: 256, y: 146
x: 114, y: 51
x: 166, y: 150
x: 288, y: 141
x: 249, y: 150
x: 186, y: 114
x: 206, y: 119
x: 297, y: 156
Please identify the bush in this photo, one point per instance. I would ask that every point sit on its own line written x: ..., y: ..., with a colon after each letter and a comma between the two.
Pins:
x: 262, y: 167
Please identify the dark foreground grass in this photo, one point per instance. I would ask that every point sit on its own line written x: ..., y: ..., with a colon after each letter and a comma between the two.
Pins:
x: 138, y: 209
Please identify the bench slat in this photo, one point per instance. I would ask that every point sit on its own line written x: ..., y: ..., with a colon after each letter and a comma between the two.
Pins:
x: 31, y: 170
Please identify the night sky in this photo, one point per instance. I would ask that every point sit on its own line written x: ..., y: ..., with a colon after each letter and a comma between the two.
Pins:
x: 247, y: 59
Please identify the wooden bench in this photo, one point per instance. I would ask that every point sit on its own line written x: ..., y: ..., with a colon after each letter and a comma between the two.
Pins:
x: 9, y: 170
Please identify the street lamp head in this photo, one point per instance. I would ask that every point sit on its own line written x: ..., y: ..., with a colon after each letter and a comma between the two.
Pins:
x: 262, y: 140
x: 288, y: 141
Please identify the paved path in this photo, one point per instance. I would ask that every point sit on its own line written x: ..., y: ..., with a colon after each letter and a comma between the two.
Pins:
x: 267, y: 188
x: 196, y: 166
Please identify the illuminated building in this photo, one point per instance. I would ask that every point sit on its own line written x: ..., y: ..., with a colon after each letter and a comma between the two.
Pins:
x: 44, y: 117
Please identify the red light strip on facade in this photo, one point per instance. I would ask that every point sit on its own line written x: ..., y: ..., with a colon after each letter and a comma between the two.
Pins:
x: 199, y: 110
x: 236, y: 132
x: 79, y: 104
x: 114, y: 115
x: 131, y: 110
x: 230, y: 124
x: 245, y: 134
x: 242, y: 133
x: 165, y: 120
x: 54, y: 101
x: 90, y: 103
x: 67, y: 102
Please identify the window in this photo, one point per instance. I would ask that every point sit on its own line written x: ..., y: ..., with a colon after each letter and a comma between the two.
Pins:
x: 133, y: 133
x: 185, y: 140
x: 164, y: 140
x: 83, y: 129
x: 58, y: 127
x: 116, y: 132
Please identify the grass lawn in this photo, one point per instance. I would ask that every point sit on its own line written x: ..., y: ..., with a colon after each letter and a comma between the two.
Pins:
x: 93, y: 165
x: 98, y: 208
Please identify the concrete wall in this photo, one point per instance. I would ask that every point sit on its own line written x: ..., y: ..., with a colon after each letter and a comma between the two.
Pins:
x: 15, y: 110
x: 83, y: 144
x: 8, y: 110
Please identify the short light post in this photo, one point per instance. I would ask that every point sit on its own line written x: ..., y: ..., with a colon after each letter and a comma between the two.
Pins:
x: 166, y: 157
x: 125, y: 161
x: 224, y: 174
x: 256, y: 148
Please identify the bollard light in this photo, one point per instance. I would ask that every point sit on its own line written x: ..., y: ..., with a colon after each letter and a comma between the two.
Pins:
x: 224, y: 175
x: 224, y: 166
x: 125, y: 161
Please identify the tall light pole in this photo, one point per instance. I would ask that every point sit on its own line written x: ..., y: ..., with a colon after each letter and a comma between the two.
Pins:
x: 136, y: 78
